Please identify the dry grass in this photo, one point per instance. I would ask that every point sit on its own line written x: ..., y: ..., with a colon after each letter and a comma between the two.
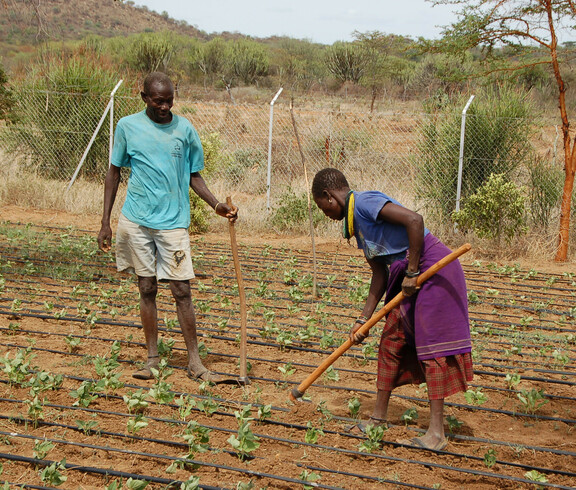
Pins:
x: 28, y: 190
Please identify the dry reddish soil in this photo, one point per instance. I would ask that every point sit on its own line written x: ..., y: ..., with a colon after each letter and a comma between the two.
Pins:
x: 54, y: 286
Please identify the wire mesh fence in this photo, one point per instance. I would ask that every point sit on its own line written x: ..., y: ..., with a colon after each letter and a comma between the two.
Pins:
x: 414, y: 157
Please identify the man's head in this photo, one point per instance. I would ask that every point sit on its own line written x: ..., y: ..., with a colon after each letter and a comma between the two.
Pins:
x: 158, y: 95
x: 329, y: 190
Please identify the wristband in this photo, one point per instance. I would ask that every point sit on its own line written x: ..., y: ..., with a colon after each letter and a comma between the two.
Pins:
x: 361, y: 320
x: 216, y: 207
x: 412, y: 274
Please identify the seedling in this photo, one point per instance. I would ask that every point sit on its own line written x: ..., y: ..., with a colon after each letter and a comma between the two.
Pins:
x: 208, y: 406
x: 197, y: 438
x: 490, y: 458
x: 245, y: 442
x: 453, y: 423
x: 536, y: 476
x: 17, y: 369
x: 532, y: 400
x: 135, y: 401
x: 475, y: 397
x: 35, y: 409
x: 53, y: 474
x: 185, y: 405
x: 312, y: 433
x: 161, y: 389
x: 135, y: 424
x: 133, y: 484
x: 44, y: 381
x: 42, y: 448
x: 331, y: 374
x: 409, y: 415
x: 264, y: 412
x: 375, y: 433
x: 86, y: 426
x: 512, y: 380
x: 165, y: 347
x: 72, y: 342
x: 354, y: 406
x: 309, y: 476
x: 84, y: 394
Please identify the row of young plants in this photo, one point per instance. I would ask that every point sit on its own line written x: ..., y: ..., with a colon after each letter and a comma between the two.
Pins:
x: 287, y: 371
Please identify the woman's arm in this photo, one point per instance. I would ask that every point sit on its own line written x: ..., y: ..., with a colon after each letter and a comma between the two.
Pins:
x: 414, y: 224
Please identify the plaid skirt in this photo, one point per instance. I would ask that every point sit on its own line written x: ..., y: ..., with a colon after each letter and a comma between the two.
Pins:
x: 398, y: 364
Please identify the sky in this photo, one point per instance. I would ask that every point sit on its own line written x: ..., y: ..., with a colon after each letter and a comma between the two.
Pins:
x: 321, y: 21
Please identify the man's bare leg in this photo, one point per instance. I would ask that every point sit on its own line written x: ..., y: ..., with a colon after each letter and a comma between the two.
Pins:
x: 187, y: 319
x: 148, y: 287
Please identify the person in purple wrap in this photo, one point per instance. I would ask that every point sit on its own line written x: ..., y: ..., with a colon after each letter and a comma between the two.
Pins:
x: 427, y: 337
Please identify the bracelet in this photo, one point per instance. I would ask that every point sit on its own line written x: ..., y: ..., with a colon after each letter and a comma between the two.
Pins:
x: 216, y: 207
x: 361, y: 320
x: 412, y: 274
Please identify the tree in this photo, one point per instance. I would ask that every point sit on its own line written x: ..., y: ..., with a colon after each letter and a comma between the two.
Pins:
x: 521, y: 26
x: 7, y: 99
x: 346, y: 61
x: 249, y: 60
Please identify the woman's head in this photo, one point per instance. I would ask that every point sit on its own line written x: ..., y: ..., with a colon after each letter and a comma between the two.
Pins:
x: 329, y: 190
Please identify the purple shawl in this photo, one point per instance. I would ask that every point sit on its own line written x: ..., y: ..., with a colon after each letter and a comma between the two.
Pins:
x: 436, y: 317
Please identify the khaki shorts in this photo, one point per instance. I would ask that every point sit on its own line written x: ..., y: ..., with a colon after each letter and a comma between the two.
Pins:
x: 164, y: 254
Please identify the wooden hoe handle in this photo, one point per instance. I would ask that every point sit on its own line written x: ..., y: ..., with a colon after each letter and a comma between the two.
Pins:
x: 242, y: 295
x: 376, y: 317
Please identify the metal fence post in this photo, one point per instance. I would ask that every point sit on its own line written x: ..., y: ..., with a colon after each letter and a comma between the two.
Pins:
x: 109, y: 108
x: 269, y: 175
x: 461, y: 157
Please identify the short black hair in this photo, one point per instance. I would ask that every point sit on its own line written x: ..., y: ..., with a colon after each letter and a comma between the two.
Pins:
x: 328, y: 179
x: 156, y: 77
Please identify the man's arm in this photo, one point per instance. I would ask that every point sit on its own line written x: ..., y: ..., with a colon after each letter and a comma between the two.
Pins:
x: 110, y: 189
x: 199, y: 186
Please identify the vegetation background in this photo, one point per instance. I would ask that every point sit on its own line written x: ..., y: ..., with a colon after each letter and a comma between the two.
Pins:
x: 79, y: 52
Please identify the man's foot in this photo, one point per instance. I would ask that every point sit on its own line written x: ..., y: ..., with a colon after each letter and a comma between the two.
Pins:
x: 423, y: 443
x: 361, y: 426
x: 145, y: 372
x: 204, y: 374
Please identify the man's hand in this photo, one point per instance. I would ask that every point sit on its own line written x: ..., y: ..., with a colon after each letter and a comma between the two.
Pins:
x: 355, y: 336
x: 105, y: 238
x: 230, y: 212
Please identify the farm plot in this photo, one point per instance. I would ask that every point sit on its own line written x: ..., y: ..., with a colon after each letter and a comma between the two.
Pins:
x: 72, y: 416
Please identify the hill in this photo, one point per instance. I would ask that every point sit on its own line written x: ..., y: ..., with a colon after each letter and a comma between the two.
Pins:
x: 28, y: 22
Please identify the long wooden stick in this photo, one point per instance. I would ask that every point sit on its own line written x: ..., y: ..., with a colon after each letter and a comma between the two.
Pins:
x: 243, y: 311
x: 376, y: 317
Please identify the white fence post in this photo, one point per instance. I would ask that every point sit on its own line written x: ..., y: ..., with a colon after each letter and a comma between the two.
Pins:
x: 269, y: 176
x: 109, y: 108
x: 461, y: 157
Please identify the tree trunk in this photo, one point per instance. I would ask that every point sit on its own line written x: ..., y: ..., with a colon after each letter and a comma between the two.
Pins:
x: 566, y: 207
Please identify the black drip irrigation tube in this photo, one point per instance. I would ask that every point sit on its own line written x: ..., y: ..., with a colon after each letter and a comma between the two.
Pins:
x: 329, y: 448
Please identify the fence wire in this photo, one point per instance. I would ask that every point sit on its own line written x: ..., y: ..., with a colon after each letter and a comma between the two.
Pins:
x: 413, y: 157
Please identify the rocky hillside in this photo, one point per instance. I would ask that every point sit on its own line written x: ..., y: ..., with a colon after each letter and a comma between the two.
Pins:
x: 26, y: 22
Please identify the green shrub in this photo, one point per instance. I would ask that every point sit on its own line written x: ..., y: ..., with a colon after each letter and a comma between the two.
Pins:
x: 497, y: 142
x: 65, y: 96
x: 496, y: 211
x: 293, y: 212
x: 544, y: 190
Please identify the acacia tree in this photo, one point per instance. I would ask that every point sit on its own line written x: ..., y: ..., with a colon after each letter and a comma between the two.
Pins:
x: 521, y: 25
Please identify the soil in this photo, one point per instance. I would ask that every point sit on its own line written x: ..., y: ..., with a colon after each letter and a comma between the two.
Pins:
x: 56, y: 286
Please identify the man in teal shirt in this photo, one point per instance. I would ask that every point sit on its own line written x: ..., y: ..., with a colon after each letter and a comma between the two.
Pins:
x: 165, y: 157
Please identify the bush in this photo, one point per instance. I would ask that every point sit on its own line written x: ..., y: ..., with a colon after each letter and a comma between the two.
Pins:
x: 66, y: 95
x: 293, y: 212
x: 496, y: 211
x: 497, y: 142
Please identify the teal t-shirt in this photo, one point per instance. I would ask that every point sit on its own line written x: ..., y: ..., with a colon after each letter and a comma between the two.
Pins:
x: 161, y: 158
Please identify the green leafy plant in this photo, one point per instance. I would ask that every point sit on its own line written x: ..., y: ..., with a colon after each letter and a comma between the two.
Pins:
x: 245, y: 442
x: 312, y: 433
x: 309, y: 476
x: 532, y: 400
x: 53, y: 474
x: 161, y: 389
x: 495, y: 211
x: 375, y: 434
x: 410, y: 415
x: 354, y: 406
x: 512, y: 380
x: 292, y: 213
x: 84, y: 394
x: 453, y: 423
x: 490, y: 458
x: 475, y: 397
x: 135, y: 424
x: 135, y: 401
x: 42, y: 448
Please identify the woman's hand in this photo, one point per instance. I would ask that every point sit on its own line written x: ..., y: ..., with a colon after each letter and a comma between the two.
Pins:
x: 409, y: 286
